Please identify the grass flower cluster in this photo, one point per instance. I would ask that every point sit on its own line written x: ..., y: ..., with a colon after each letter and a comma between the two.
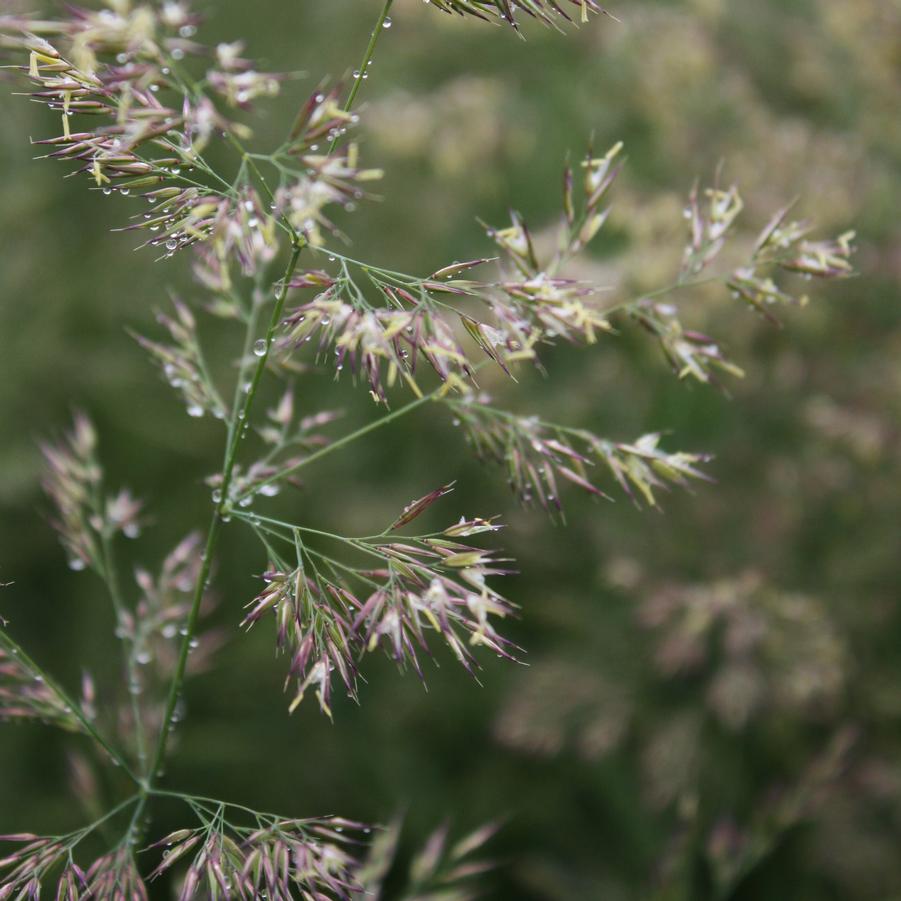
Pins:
x: 139, y: 103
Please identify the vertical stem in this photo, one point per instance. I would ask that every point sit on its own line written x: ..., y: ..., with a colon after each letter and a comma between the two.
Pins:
x: 111, y: 577
x: 237, y: 430
x: 238, y: 425
x: 364, y: 63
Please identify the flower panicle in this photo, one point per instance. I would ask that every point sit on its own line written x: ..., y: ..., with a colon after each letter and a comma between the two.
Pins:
x: 534, y: 303
x: 547, y: 12
x: 313, y: 625
x: 42, y: 861
x: 783, y: 246
x: 156, y: 626
x: 73, y: 481
x: 283, y: 431
x: 383, y: 345
x: 425, y: 584
x: 142, y: 126
x: 435, y: 584
x: 182, y: 363
x: 24, y: 695
x: 23, y: 871
x: 756, y: 647
x: 691, y: 354
x: 322, y: 118
x: 711, y: 216
x: 583, y: 222
x: 275, y: 860
x: 237, y: 230
x: 540, y: 456
x: 115, y: 876
x: 530, y: 305
x: 326, y: 179
x: 440, y: 867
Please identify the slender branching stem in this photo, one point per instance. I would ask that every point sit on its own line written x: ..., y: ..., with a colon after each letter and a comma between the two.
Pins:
x: 364, y: 63
x: 73, y: 838
x: 347, y: 439
x: 237, y: 429
x: 662, y: 292
x: 63, y: 695
x: 187, y: 798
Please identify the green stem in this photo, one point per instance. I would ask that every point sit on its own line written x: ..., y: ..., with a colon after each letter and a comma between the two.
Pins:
x: 359, y: 544
x: 85, y: 831
x: 202, y: 799
x: 249, y: 159
x: 77, y: 712
x: 237, y: 430
x: 342, y: 442
x: 364, y: 63
x: 661, y: 292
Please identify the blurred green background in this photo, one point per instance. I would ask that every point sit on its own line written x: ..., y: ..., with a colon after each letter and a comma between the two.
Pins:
x: 620, y: 774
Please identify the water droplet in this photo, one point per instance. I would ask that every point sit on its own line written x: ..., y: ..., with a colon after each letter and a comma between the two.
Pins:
x: 195, y: 411
x: 259, y: 347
